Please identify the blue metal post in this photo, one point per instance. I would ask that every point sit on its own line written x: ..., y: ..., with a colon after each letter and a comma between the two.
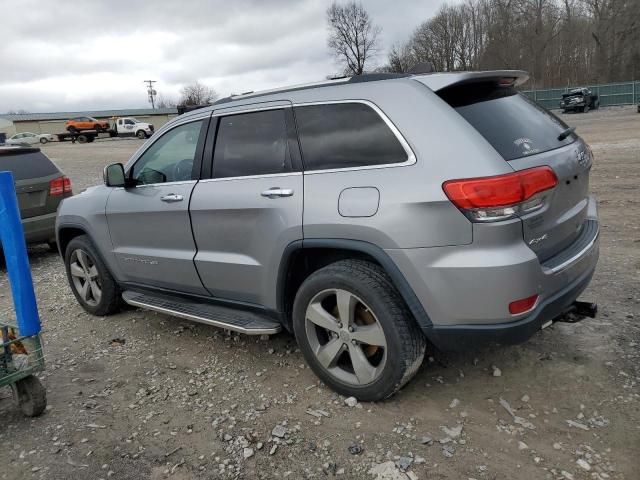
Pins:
x: 15, y: 253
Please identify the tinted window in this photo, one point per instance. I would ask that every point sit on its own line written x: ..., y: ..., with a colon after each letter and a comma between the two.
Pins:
x: 514, y: 125
x: 345, y: 135
x: 251, y: 144
x: 32, y: 164
x: 171, y: 157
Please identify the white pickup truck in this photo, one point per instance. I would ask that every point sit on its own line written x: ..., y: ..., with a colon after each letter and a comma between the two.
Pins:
x: 130, y: 127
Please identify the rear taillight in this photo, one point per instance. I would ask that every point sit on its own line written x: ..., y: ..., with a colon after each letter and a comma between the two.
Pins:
x: 59, y: 186
x: 503, y: 196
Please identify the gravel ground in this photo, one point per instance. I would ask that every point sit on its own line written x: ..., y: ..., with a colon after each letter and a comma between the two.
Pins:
x: 172, y: 399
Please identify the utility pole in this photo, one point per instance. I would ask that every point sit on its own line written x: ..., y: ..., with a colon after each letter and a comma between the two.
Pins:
x: 151, y: 92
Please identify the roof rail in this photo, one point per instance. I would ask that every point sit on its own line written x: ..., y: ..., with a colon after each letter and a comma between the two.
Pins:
x: 365, y: 77
x: 189, y: 108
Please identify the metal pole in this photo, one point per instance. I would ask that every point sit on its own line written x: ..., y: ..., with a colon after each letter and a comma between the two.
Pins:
x: 15, y: 254
x: 151, y: 92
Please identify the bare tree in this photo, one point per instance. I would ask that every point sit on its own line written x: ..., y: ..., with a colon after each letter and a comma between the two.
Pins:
x: 166, y: 102
x: 559, y: 42
x: 197, y: 94
x: 353, y: 38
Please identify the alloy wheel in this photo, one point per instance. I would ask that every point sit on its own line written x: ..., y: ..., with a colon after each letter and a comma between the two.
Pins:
x: 85, y: 277
x: 346, y: 337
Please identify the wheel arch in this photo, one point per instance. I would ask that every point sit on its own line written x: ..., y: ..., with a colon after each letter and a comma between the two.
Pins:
x: 66, y: 233
x: 303, y: 257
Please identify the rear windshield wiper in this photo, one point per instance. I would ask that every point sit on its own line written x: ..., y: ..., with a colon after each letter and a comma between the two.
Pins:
x: 566, y: 133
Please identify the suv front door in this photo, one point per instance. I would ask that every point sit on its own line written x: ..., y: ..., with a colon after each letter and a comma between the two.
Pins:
x: 251, y: 209
x: 149, y: 223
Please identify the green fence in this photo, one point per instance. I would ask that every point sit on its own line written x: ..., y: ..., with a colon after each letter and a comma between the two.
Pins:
x: 623, y: 93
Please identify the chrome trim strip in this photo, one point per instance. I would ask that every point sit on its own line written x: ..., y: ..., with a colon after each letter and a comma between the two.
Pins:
x: 570, y: 261
x: 147, y: 185
x: 249, y: 177
x: 207, y: 321
x: 411, y: 157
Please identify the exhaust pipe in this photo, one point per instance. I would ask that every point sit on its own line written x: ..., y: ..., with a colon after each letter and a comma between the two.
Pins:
x: 577, y: 312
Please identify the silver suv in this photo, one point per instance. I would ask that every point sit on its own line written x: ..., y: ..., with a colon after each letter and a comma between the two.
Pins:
x: 366, y: 215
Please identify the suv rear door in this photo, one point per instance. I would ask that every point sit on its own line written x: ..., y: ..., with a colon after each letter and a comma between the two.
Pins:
x: 149, y: 223
x: 250, y: 209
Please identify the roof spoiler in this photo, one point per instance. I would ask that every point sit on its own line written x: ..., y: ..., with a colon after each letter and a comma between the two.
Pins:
x: 438, y: 81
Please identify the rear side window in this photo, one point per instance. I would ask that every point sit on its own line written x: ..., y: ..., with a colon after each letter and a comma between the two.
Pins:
x: 27, y: 165
x: 514, y: 125
x: 343, y: 135
x: 252, y: 144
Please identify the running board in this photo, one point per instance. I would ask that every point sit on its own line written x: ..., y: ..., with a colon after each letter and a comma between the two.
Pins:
x: 249, y: 323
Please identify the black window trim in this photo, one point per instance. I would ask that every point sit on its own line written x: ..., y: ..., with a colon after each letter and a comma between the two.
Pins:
x: 198, y: 156
x: 411, y: 157
x: 292, y: 139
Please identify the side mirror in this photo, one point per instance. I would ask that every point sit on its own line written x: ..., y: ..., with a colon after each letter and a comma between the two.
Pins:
x: 113, y: 175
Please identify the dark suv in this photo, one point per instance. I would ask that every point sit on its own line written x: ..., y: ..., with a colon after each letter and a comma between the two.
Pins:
x: 40, y: 187
x: 579, y: 100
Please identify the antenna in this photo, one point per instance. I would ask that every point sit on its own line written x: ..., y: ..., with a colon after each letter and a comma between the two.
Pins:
x: 151, y: 92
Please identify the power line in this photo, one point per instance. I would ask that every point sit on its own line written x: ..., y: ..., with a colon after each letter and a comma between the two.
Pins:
x: 151, y: 92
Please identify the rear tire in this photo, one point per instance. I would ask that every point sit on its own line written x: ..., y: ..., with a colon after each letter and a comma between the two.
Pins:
x: 334, y: 342
x: 43, y: 140
x: 90, y: 280
x: 72, y: 129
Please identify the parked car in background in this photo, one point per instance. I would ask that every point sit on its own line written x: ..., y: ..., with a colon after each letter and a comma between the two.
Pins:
x: 28, y: 138
x: 335, y: 211
x: 79, y: 124
x: 40, y: 187
x: 579, y: 100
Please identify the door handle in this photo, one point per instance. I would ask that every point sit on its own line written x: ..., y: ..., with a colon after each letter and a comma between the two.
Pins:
x: 276, y: 192
x: 172, y: 197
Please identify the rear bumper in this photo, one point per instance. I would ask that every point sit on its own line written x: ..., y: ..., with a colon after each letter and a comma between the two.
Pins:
x: 466, y: 290
x: 466, y: 337
x: 40, y: 229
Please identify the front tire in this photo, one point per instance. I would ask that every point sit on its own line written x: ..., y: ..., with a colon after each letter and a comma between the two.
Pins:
x: 141, y: 135
x: 355, y: 331
x: 90, y: 280
x: 43, y: 140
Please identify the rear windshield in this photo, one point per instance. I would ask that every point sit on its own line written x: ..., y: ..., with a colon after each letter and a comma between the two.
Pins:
x: 514, y: 125
x: 26, y: 164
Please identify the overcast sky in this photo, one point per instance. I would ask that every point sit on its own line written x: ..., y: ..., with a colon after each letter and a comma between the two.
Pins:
x: 69, y: 55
